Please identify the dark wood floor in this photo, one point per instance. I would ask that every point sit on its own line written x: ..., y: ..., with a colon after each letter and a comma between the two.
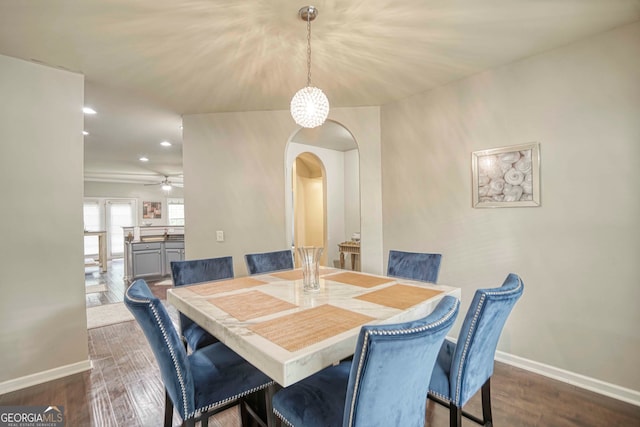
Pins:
x: 124, y: 389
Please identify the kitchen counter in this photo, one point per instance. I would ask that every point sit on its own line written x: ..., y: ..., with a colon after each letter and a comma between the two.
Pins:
x: 149, y: 251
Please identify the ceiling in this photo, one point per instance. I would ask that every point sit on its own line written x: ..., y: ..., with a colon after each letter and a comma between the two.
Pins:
x: 148, y: 62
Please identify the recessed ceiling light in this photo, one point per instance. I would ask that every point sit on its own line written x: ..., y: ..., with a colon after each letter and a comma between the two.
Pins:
x: 144, y: 159
x: 165, y: 144
x: 84, y: 132
x: 88, y: 110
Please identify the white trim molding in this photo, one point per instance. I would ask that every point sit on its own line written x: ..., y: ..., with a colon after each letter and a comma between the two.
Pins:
x: 578, y: 380
x: 44, y: 376
x: 606, y: 389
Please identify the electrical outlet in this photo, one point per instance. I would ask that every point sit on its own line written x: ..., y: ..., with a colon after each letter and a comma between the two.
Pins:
x: 219, y: 236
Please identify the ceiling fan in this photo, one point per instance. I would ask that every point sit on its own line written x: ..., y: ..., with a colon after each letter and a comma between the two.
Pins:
x: 166, y: 184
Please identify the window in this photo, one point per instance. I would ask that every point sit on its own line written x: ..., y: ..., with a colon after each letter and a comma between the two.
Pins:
x: 175, y: 211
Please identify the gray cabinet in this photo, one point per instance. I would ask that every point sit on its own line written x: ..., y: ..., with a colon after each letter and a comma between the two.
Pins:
x: 144, y: 260
x: 147, y: 259
x: 173, y: 251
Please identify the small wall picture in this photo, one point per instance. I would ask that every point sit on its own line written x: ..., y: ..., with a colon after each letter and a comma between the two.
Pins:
x: 152, y: 210
x: 506, y: 177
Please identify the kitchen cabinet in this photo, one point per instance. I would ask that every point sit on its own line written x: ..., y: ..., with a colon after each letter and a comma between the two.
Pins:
x: 147, y: 259
x: 149, y: 251
x: 173, y: 251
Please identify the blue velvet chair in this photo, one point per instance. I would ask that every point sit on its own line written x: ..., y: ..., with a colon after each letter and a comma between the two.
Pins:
x: 202, y: 383
x: 414, y: 266
x: 463, y: 369
x: 385, y: 384
x: 197, y: 271
x: 269, y: 261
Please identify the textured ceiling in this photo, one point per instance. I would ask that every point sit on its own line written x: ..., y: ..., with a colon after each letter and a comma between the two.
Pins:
x: 147, y: 62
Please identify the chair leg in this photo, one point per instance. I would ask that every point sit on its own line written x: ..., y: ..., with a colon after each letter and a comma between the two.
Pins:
x: 455, y: 415
x: 487, y: 418
x: 245, y: 419
x: 272, y: 419
x: 168, y: 410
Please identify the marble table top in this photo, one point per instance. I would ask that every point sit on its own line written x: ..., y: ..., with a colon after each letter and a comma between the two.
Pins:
x: 290, y: 334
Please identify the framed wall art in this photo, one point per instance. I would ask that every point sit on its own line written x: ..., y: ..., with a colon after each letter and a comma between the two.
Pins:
x: 151, y: 210
x: 506, y: 177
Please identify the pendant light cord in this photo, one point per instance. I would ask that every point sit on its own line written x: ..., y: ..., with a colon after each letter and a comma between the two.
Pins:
x: 308, y: 49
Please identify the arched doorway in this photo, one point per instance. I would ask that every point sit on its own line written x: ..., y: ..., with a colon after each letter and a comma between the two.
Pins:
x: 337, y: 150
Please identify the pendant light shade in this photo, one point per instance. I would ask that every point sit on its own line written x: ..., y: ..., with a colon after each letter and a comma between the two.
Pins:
x: 309, y: 106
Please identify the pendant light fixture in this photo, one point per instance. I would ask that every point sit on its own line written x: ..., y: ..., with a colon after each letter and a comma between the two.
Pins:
x: 309, y: 106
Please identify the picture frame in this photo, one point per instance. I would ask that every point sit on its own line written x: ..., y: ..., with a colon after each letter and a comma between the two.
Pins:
x: 506, y: 177
x: 152, y: 210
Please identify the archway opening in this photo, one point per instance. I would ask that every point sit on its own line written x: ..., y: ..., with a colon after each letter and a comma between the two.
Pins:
x: 336, y: 149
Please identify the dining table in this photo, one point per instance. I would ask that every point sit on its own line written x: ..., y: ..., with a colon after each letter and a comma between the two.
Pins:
x: 289, y: 333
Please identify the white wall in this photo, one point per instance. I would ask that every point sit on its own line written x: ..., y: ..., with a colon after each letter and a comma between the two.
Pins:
x: 43, y: 329
x: 578, y: 253
x: 234, y: 167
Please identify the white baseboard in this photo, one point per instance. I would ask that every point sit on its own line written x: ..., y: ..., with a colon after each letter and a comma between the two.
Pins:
x: 587, y: 383
x: 44, y: 376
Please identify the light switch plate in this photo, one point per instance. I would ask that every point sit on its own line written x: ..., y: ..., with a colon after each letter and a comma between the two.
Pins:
x: 219, y: 236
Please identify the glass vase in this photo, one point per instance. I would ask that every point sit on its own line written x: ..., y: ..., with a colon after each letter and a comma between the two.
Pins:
x: 310, y: 263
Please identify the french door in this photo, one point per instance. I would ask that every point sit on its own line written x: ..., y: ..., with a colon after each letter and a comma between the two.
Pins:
x: 109, y: 215
x: 119, y: 213
x: 92, y: 222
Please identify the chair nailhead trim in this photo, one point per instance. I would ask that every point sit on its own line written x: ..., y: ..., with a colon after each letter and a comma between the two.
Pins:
x: 466, y: 346
x: 439, y: 395
x: 365, y: 344
x: 284, y: 420
x: 467, y: 342
x: 183, y: 390
x: 227, y: 400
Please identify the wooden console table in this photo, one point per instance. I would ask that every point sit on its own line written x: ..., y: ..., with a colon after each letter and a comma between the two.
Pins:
x: 352, y: 248
x: 102, y: 248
